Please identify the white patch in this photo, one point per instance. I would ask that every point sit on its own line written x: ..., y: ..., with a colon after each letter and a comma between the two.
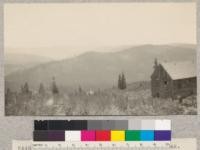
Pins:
x: 50, y: 102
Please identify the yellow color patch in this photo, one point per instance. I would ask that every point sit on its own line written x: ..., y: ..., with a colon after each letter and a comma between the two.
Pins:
x: 117, y: 135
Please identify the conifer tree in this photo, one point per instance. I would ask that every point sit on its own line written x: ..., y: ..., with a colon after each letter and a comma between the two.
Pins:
x: 119, y: 81
x: 41, y: 89
x: 54, y: 87
x: 123, y: 82
x: 26, y: 88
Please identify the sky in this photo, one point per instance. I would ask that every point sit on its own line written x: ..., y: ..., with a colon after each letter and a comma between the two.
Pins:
x: 64, y: 30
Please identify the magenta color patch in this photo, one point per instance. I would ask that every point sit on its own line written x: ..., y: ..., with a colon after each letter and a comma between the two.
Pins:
x: 87, y: 135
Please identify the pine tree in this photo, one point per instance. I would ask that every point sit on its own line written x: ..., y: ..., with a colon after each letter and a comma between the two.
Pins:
x: 26, y: 88
x: 123, y: 82
x: 54, y: 87
x: 119, y: 81
x: 41, y: 89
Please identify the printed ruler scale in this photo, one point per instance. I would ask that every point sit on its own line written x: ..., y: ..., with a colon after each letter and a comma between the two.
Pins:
x: 175, y: 144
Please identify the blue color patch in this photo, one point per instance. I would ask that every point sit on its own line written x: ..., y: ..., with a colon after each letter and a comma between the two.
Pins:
x: 147, y: 135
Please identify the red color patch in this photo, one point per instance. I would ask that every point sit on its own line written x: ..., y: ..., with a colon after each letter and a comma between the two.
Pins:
x: 103, y: 135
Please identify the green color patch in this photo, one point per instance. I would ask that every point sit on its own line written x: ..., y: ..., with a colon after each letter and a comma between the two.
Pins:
x: 132, y: 135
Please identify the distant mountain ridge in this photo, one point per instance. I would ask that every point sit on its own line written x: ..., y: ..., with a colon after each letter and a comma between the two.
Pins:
x: 101, y: 69
x: 15, y: 62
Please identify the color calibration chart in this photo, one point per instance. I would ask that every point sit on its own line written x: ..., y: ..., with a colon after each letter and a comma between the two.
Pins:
x: 103, y: 134
x: 102, y: 130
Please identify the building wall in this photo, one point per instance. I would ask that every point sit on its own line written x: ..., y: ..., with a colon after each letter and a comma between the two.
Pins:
x: 163, y: 86
x: 161, y: 83
x: 185, y: 87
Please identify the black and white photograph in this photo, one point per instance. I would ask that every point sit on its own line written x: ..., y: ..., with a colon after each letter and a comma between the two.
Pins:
x: 89, y: 59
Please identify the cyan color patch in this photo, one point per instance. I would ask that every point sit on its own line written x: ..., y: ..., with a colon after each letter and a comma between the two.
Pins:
x: 147, y: 135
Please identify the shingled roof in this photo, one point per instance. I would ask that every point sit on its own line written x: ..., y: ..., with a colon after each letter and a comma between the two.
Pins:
x: 180, y: 70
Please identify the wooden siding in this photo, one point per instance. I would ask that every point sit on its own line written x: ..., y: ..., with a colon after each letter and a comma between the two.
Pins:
x: 163, y: 86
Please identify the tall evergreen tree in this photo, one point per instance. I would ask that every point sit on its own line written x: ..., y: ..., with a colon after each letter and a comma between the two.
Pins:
x: 54, y: 87
x: 26, y: 88
x: 41, y: 89
x: 119, y: 81
x: 123, y: 82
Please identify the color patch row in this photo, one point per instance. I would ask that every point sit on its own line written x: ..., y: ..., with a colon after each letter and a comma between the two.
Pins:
x: 102, y: 125
x: 102, y: 135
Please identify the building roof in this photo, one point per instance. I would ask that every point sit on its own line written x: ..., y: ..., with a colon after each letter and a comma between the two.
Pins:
x: 180, y: 70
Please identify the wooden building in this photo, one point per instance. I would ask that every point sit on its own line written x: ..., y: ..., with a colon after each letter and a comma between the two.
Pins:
x: 174, y: 80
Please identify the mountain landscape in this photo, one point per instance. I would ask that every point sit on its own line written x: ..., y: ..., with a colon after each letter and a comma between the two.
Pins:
x: 96, y: 70
x: 19, y: 62
x: 95, y: 83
